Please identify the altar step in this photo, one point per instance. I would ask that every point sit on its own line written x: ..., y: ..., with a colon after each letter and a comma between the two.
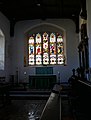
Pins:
x: 29, y: 94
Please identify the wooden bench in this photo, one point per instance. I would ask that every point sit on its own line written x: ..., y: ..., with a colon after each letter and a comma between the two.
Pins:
x: 52, y: 109
x: 82, y: 93
x: 2, y: 79
x: 4, y: 93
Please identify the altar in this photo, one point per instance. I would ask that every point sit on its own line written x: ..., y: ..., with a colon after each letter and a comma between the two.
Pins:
x: 42, y: 81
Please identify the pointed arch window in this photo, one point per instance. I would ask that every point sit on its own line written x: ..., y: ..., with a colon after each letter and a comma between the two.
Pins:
x: 46, y: 49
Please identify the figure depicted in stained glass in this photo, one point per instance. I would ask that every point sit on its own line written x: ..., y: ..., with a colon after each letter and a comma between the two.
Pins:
x: 45, y: 37
x: 52, y: 48
x: 45, y: 49
x: 38, y: 50
x: 45, y: 58
x: 38, y: 38
x: 45, y: 42
x: 31, y: 49
x: 38, y: 60
x: 38, y: 55
x: 60, y: 49
x: 38, y: 44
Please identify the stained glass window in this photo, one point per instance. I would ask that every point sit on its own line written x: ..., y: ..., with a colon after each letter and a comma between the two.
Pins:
x: 46, y: 49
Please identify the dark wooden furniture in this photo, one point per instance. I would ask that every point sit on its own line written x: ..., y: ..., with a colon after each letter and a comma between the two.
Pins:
x: 52, y: 109
x: 82, y: 97
x: 83, y: 47
x: 4, y: 93
x: 42, y: 81
x: 2, y: 79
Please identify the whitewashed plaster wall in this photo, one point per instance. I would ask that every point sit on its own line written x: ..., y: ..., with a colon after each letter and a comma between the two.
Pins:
x: 17, y: 48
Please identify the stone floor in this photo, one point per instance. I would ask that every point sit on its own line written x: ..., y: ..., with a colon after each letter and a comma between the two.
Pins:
x: 30, y: 110
x: 22, y: 110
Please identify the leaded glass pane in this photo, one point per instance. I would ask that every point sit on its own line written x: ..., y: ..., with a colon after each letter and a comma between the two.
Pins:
x: 31, y: 50
x: 52, y: 48
x: 45, y: 49
x: 38, y: 59
x: 45, y: 58
x: 38, y: 49
x: 60, y: 49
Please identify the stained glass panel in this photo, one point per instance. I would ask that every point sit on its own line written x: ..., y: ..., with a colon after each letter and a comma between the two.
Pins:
x: 45, y: 49
x: 38, y: 49
x: 60, y: 49
x: 31, y: 50
x: 52, y: 48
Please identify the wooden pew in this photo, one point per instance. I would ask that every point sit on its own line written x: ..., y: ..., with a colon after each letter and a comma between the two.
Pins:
x: 52, y: 109
x: 82, y: 92
x: 4, y: 93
